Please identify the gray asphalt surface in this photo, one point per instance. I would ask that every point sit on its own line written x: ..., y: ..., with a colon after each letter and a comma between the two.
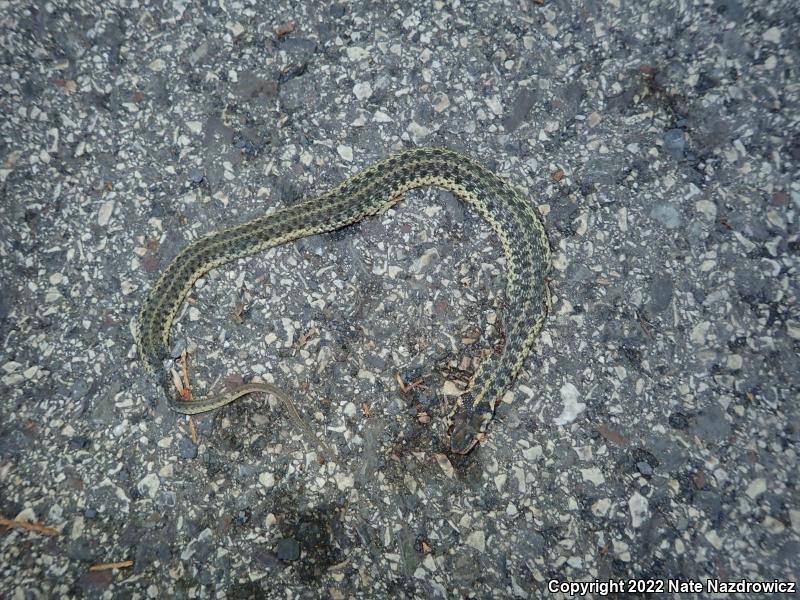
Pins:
x: 653, y: 433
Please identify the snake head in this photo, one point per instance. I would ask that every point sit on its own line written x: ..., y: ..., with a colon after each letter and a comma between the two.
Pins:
x: 464, y: 432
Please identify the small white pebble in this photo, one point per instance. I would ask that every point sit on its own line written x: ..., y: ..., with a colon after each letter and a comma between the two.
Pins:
x: 346, y: 152
x: 773, y: 34
x: 362, y: 90
x: 104, y: 214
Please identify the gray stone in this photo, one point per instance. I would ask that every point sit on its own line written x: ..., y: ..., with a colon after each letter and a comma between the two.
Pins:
x: 520, y: 109
x: 253, y: 87
x: 669, y: 453
x: 733, y: 44
x: 166, y: 499
x: 711, y: 425
x: 604, y: 169
x: 81, y: 549
x: 464, y: 570
x: 660, y: 293
x: 674, y: 143
x: 298, y: 93
x: 710, y: 503
x: 731, y: 10
x: 186, y: 449
x: 287, y: 549
x: 80, y: 387
x: 13, y: 442
x: 267, y: 560
x: 666, y: 214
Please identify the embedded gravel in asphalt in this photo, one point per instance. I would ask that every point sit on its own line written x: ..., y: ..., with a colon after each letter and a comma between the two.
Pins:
x: 653, y: 431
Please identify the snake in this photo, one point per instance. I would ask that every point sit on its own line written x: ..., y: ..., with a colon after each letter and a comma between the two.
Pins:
x: 368, y: 193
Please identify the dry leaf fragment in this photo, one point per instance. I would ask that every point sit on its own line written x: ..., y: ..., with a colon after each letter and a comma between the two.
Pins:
x: 407, y: 387
x: 303, y: 339
x: 36, y: 527
x: 445, y: 465
x: 123, y: 564
x: 611, y: 435
x: 185, y: 367
x: 284, y: 29
x: 176, y: 381
x: 193, y: 431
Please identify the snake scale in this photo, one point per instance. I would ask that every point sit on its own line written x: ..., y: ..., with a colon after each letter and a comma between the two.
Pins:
x: 370, y: 192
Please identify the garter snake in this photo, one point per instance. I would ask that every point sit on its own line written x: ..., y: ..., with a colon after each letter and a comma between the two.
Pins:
x: 370, y: 192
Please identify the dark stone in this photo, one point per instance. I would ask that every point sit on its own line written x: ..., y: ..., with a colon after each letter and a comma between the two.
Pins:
x: 562, y: 216
x: 205, y: 577
x: 292, y: 71
x: 266, y: 559
x: 7, y: 297
x: 671, y: 456
x: 660, y: 293
x: 259, y: 443
x: 710, y: 502
x: 705, y: 82
x: 130, y: 535
x: 463, y: 569
x: 252, y: 87
x: 150, y: 549
x: 287, y: 549
x: 203, y: 549
x: 79, y: 442
x: 13, y: 442
x: 299, y: 47
x: 733, y: 44
x: 679, y: 421
x: 674, y: 143
x: 455, y: 209
x: 730, y: 9
x: 605, y: 169
x: 81, y: 549
x: 90, y: 582
x: 571, y: 96
x: 79, y: 389
x: 522, y: 106
x: 789, y: 552
x: 579, y: 273
x: 159, y: 90
x: 166, y: 498
x: 709, y: 132
x: 186, y: 449
x: 196, y: 175
x: 247, y: 590
x: 177, y: 348
x: 711, y: 425
x: 298, y: 92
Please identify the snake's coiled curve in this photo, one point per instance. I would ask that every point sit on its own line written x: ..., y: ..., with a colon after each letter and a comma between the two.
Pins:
x: 371, y: 191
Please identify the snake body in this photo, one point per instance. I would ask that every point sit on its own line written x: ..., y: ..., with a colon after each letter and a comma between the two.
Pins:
x: 370, y: 192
